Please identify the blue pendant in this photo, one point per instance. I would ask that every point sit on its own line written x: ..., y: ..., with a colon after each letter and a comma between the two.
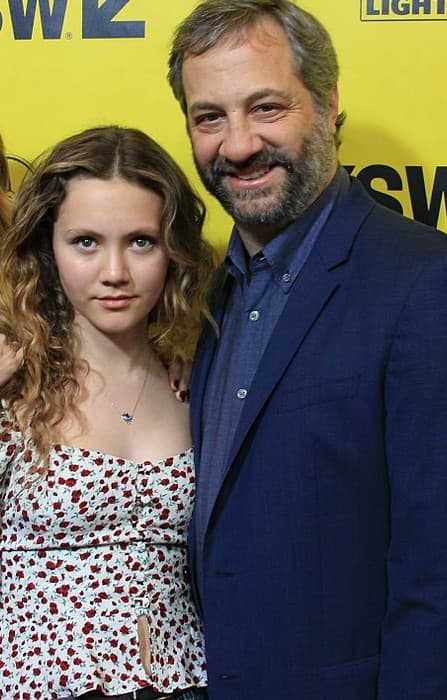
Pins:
x: 127, y: 418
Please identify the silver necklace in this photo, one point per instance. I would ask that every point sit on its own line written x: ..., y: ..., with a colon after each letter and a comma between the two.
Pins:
x: 126, y: 416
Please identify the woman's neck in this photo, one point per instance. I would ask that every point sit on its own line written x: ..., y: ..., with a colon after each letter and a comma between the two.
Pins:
x: 117, y: 354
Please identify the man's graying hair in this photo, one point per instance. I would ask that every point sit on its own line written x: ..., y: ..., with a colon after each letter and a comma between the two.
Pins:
x: 212, y: 21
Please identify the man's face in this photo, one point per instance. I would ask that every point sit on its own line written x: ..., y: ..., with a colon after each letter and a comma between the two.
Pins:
x: 261, y: 146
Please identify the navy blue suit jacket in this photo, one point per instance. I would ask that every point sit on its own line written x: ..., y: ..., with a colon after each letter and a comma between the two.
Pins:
x: 325, y: 554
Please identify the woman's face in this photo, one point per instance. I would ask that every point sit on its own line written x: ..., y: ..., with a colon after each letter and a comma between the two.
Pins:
x: 109, y: 255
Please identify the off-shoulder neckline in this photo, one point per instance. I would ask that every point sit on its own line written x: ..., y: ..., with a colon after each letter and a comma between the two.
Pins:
x: 60, y: 447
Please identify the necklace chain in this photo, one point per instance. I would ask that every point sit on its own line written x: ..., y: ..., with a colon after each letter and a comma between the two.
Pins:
x: 126, y: 416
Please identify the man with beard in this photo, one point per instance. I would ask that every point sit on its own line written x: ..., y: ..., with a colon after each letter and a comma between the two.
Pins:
x: 319, y: 543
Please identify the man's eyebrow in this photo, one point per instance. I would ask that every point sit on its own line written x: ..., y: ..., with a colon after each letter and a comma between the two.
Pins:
x: 267, y: 93
x: 201, y: 106
x: 264, y: 93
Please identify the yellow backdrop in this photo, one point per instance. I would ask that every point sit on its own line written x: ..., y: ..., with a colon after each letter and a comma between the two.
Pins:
x: 71, y: 64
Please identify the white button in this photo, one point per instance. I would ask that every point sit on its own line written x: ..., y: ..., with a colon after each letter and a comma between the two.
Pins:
x: 241, y: 393
x: 254, y: 315
x: 286, y: 277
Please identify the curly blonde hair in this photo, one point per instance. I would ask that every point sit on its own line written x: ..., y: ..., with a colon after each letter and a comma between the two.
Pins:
x: 34, y: 311
x: 4, y: 180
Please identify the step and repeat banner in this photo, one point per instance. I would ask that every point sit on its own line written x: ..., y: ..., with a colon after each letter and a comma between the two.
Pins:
x: 71, y: 64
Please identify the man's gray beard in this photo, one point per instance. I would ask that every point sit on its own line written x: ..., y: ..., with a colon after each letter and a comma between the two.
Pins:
x: 306, y: 177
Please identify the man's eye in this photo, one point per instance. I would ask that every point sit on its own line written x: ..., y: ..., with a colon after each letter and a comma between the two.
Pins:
x: 205, y: 119
x: 267, y: 108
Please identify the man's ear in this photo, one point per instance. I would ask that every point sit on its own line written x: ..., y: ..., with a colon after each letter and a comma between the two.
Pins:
x: 333, y: 109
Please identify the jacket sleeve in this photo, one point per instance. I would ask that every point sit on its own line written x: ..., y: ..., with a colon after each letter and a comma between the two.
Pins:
x: 413, y: 662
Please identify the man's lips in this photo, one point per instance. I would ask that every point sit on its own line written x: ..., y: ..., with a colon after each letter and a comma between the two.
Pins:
x: 253, y: 174
x: 253, y: 177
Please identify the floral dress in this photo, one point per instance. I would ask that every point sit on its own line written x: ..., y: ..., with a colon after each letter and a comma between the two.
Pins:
x: 84, y: 551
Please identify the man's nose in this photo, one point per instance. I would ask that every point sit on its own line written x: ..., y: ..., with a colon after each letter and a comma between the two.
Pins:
x: 240, y: 141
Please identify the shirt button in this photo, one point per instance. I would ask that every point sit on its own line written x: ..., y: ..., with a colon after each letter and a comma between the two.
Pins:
x: 286, y: 277
x: 241, y: 393
x: 254, y: 315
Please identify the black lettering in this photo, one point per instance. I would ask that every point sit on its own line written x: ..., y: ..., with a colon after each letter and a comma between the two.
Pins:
x: 23, y: 20
x: 381, y: 172
x: 98, y: 21
x: 17, y: 170
x: 371, y: 9
x: 422, y: 210
x: 425, y: 5
x: 400, y: 8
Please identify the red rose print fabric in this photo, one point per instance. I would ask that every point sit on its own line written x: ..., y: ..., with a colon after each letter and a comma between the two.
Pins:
x: 84, y: 551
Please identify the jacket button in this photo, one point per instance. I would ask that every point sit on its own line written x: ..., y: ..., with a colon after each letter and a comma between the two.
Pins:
x: 228, y: 676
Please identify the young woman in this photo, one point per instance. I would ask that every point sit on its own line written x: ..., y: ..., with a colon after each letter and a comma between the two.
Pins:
x: 102, y: 275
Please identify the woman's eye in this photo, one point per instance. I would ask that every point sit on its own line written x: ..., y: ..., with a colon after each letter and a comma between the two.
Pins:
x: 143, y: 243
x: 85, y: 243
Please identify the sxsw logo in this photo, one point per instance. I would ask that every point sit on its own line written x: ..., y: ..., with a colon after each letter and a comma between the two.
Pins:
x: 428, y: 202
x: 98, y: 19
x: 386, y: 10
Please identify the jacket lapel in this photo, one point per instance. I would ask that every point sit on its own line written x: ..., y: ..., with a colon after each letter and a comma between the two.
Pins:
x: 320, y: 277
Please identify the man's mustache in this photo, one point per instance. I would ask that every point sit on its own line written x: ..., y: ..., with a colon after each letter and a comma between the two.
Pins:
x: 265, y: 159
